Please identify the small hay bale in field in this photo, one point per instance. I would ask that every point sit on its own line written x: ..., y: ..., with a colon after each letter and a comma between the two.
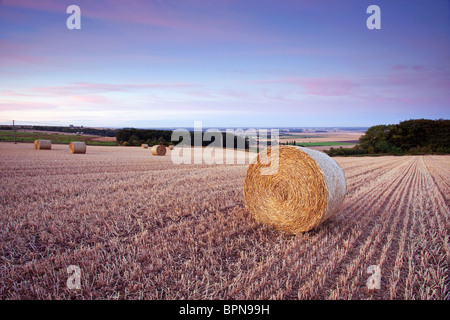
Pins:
x: 44, y: 145
x: 144, y: 145
x: 307, y: 189
x: 158, y: 150
x: 77, y: 147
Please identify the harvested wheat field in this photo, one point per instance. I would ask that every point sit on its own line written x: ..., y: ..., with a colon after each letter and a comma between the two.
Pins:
x: 141, y: 227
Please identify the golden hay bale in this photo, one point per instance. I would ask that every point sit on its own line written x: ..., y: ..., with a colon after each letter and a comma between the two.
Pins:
x: 158, y: 150
x: 36, y: 144
x: 144, y: 145
x: 43, y: 145
x: 77, y: 147
x: 306, y: 190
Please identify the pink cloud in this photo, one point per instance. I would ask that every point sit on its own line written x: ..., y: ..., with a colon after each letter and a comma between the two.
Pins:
x: 12, y: 51
x: 234, y: 94
x: 86, y: 87
x: 131, y: 11
x: 6, y: 60
x: 186, y: 17
x: 402, y: 67
x: 329, y: 87
x: 403, y: 84
x: 17, y: 106
x: 326, y: 86
x: 91, y: 99
x: 10, y: 93
x: 278, y: 97
x: 420, y: 76
x: 47, y: 5
x: 200, y: 94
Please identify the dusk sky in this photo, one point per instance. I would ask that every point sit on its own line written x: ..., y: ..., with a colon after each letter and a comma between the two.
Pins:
x: 228, y: 63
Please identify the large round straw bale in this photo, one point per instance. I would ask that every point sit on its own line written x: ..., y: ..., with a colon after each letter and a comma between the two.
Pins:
x: 144, y: 145
x: 77, y: 147
x: 307, y: 189
x: 158, y: 150
x: 43, y: 145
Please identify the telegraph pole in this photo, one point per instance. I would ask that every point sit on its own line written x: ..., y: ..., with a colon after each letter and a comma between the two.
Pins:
x: 14, y: 129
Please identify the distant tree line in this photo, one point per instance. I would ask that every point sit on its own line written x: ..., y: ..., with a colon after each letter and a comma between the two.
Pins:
x: 420, y: 136
x: 136, y: 137
x: 85, y: 130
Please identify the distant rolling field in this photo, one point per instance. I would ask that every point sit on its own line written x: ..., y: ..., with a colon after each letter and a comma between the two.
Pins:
x: 63, y: 138
x: 323, y: 140
x: 326, y: 143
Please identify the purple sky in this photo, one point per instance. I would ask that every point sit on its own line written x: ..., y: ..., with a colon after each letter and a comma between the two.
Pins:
x: 228, y: 63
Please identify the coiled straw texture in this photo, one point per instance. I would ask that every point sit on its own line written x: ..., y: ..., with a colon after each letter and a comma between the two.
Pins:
x: 158, y: 150
x: 307, y: 189
x: 43, y: 145
x: 77, y: 147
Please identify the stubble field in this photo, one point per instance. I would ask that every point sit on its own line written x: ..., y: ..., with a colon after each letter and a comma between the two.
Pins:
x: 141, y: 227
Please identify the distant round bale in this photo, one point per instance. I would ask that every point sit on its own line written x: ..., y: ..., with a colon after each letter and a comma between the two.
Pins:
x: 43, y: 144
x: 158, y: 150
x: 77, y: 147
x: 307, y: 188
x: 144, y: 145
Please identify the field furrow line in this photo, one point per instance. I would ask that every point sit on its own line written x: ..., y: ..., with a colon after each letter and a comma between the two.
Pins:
x: 370, y: 171
x: 375, y: 200
x: 367, y: 249
x: 411, y: 272
x: 406, y: 211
